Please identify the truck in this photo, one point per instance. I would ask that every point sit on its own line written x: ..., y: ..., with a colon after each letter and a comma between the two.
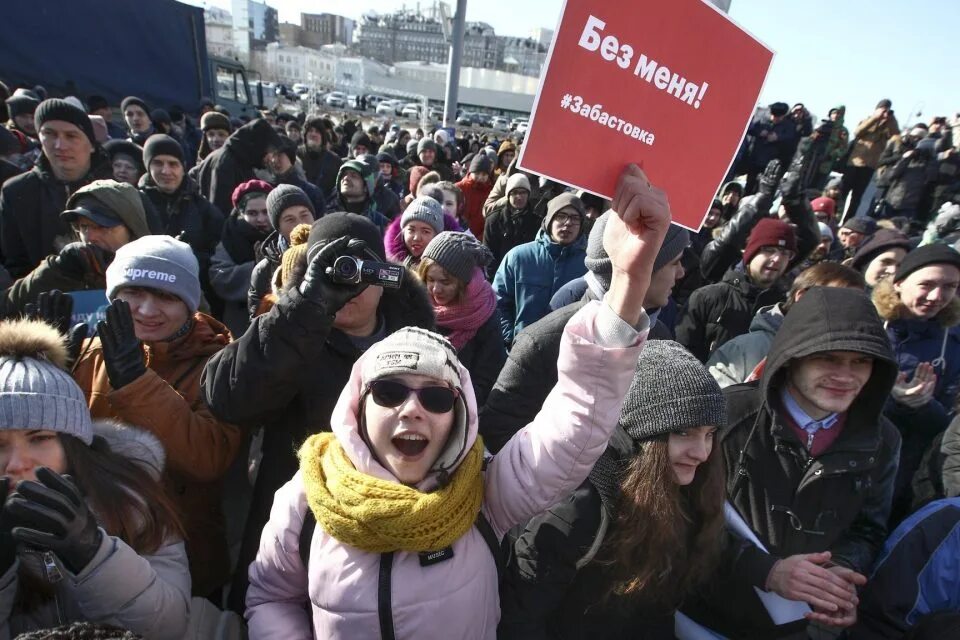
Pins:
x: 153, y: 49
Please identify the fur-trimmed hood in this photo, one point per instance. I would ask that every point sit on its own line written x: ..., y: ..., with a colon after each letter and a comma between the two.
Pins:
x: 32, y: 339
x: 137, y: 445
x: 889, y: 307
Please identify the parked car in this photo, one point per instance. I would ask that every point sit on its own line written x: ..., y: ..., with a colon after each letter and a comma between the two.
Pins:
x: 411, y: 110
x: 436, y: 113
x: 336, y: 99
x: 301, y: 89
x: 499, y: 123
x: 467, y: 118
x: 374, y: 100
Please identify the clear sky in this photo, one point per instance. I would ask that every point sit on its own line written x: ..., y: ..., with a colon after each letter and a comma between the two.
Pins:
x: 828, y: 52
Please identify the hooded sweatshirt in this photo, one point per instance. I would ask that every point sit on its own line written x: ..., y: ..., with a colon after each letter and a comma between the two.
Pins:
x: 336, y: 595
x: 841, y: 498
x: 365, y: 208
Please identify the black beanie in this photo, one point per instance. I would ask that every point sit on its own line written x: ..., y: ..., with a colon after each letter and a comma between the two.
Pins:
x: 160, y: 116
x: 361, y: 138
x: 282, y: 198
x: 129, y: 100
x: 160, y: 144
x: 21, y: 105
x: 56, y: 109
x: 335, y: 225
x: 96, y: 102
x: 925, y: 256
x: 288, y: 147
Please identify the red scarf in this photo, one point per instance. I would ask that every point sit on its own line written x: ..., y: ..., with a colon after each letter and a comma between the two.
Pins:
x: 462, y: 320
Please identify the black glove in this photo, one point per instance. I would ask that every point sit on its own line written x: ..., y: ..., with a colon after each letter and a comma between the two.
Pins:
x: 770, y: 179
x: 51, y: 515
x: 80, y: 259
x: 319, y: 288
x: 122, y: 354
x: 792, y: 185
x: 8, y: 547
x: 56, y: 308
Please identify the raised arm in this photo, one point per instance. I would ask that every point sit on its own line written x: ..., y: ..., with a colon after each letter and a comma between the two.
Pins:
x: 552, y: 455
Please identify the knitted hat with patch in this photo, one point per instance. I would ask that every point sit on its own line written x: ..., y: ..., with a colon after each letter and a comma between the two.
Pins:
x: 769, y: 232
x: 156, y: 262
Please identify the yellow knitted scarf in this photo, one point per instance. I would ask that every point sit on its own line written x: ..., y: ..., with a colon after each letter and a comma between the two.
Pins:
x: 380, y: 516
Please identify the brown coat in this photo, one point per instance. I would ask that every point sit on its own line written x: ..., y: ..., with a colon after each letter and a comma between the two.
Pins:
x: 166, y: 401
x: 870, y: 138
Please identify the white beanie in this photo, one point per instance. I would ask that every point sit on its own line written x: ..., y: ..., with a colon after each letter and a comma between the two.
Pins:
x: 156, y: 262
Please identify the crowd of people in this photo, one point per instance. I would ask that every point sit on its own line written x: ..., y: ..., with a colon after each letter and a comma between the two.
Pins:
x: 532, y: 413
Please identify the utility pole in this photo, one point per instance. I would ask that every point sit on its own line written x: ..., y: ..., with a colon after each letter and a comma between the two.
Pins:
x: 453, y: 68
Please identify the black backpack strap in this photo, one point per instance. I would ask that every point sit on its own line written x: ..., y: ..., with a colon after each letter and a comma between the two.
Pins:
x: 384, y: 597
x: 306, y: 536
x: 486, y: 530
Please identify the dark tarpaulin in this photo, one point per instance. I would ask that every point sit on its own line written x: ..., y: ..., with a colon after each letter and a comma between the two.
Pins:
x: 115, y: 48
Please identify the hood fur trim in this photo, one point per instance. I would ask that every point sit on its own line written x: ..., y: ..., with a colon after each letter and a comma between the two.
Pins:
x: 889, y: 307
x: 138, y: 445
x: 32, y: 339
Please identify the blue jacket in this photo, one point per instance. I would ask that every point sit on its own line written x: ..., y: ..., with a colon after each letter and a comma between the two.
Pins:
x: 529, y: 276
x: 916, y: 341
x: 915, y: 575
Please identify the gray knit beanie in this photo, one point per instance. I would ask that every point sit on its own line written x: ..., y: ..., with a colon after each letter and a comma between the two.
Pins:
x: 36, y: 391
x: 598, y: 262
x: 282, y: 198
x: 424, y: 209
x: 156, y: 262
x: 426, y: 143
x: 459, y: 253
x: 671, y: 391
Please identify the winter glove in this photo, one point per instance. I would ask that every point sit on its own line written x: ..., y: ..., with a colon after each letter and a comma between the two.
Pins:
x: 52, y: 515
x: 56, y: 308
x: 122, y: 354
x: 917, y: 391
x: 8, y: 547
x: 80, y: 259
x: 319, y: 288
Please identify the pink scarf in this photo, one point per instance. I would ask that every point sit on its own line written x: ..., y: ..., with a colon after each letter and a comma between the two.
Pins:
x: 463, y: 320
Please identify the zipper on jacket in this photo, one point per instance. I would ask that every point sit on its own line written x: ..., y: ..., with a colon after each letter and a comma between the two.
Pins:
x: 50, y: 568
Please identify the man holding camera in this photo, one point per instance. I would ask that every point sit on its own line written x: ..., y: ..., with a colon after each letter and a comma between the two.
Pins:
x: 287, y: 371
x: 869, y: 139
x: 907, y: 166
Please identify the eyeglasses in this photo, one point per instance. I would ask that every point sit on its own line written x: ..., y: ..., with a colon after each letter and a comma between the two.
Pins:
x: 563, y: 218
x: 85, y: 227
x: 390, y: 393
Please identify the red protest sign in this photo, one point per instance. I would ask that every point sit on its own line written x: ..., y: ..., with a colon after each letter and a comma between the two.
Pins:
x: 669, y: 85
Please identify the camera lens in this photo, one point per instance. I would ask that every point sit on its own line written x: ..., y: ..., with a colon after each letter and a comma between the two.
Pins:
x: 346, y: 268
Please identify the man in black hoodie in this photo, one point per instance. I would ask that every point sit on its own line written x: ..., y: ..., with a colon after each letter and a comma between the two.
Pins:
x: 250, y: 147
x: 810, y: 464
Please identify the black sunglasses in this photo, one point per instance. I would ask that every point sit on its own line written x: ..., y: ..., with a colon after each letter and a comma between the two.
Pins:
x: 390, y: 393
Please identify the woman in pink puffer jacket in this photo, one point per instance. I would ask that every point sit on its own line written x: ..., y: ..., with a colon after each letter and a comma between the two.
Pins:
x: 401, y: 502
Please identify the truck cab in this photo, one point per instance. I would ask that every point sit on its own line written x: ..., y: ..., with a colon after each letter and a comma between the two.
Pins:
x: 233, y: 90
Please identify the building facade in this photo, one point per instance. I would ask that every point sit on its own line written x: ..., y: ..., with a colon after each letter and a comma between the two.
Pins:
x: 319, y: 29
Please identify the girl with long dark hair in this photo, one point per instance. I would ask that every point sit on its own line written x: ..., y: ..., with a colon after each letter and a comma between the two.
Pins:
x: 618, y: 556
x: 86, y: 531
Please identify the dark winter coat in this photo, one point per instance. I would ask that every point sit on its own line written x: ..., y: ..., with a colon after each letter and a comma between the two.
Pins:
x: 841, y: 498
x: 189, y: 217
x: 552, y: 590
x: 260, y: 279
x: 506, y: 228
x: 30, y: 207
x: 483, y: 356
x: 529, y: 374
x: 320, y: 168
x: 316, y: 196
x: 906, y: 180
x: 720, y: 312
x: 231, y: 269
x: 762, y: 151
x: 724, y: 252
x: 234, y: 162
x: 286, y: 373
